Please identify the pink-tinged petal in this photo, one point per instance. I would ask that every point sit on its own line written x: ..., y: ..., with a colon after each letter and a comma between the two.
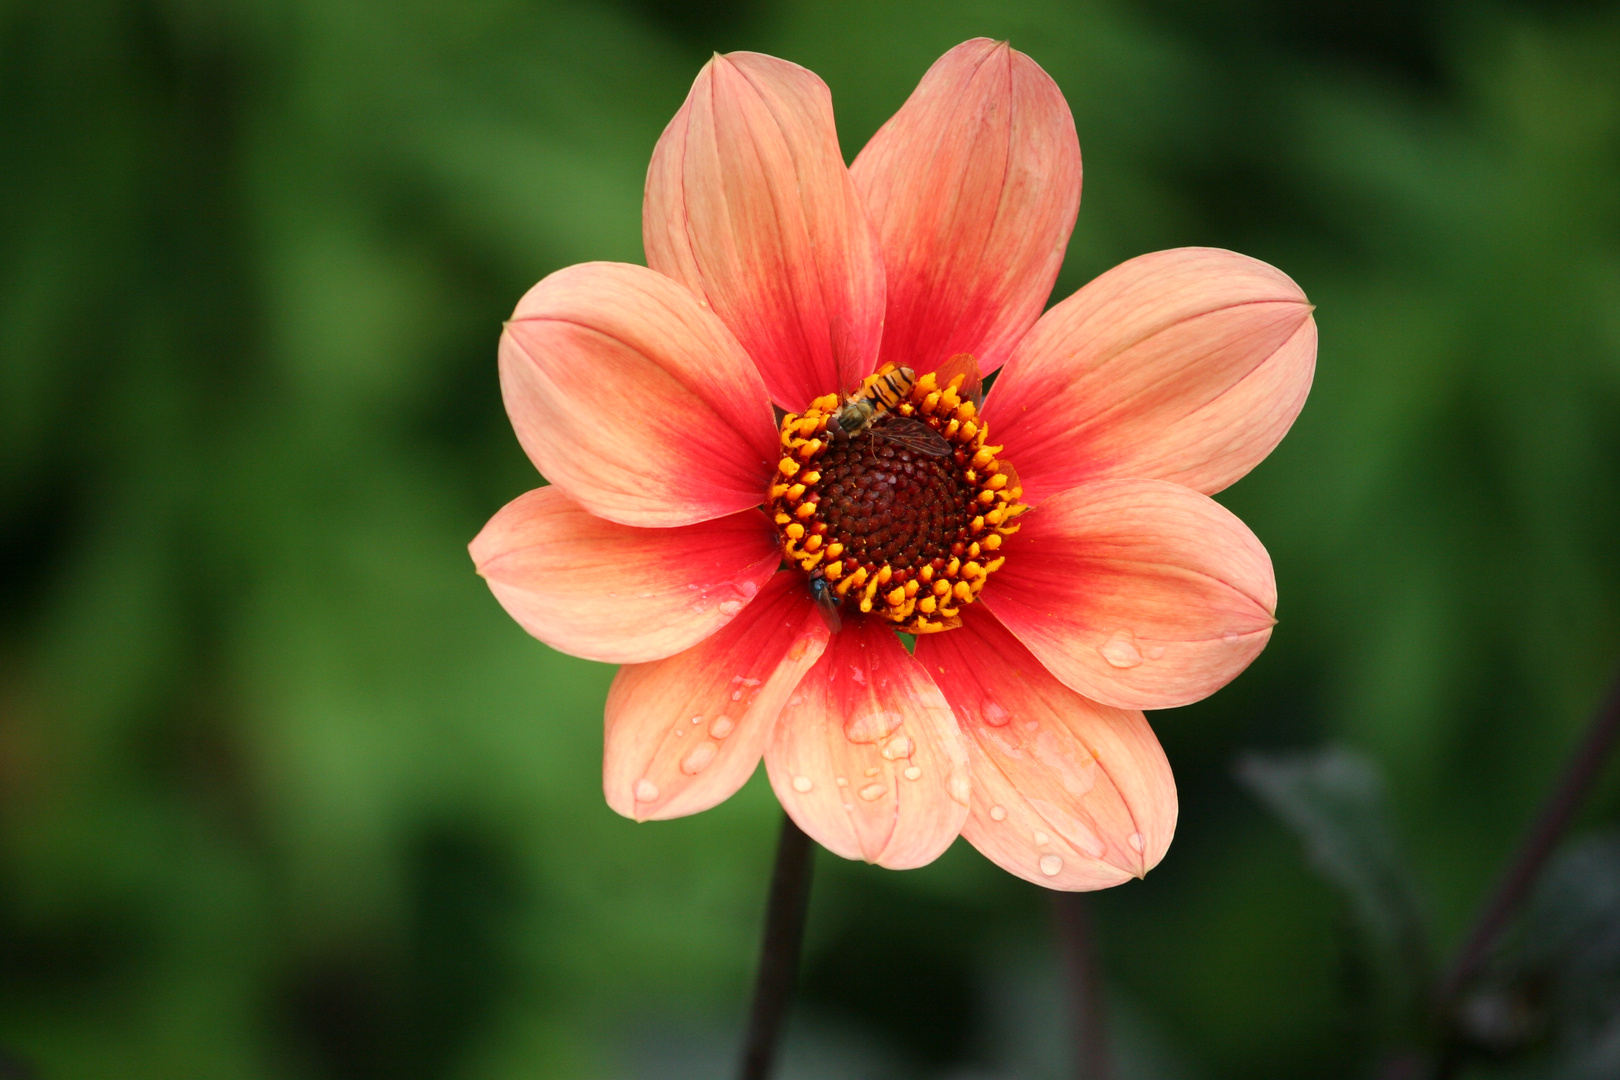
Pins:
x: 1136, y: 593
x: 634, y: 400
x: 748, y: 203
x: 1185, y: 365
x: 867, y: 758
x: 616, y: 593
x: 973, y: 187
x: 685, y: 732
x: 1067, y: 793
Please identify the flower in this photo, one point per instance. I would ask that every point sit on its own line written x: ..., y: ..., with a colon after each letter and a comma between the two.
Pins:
x: 690, y: 534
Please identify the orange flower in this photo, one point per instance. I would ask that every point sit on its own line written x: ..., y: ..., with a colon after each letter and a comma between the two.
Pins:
x: 689, y: 532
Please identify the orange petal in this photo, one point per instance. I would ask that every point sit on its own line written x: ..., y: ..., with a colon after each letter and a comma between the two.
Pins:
x: 1137, y: 593
x: 634, y: 400
x: 615, y: 593
x: 749, y: 204
x: 685, y: 732
x: 867, y: 758
x: 973, y: 188
x: 1185, y: 365
x: 1067, y: 793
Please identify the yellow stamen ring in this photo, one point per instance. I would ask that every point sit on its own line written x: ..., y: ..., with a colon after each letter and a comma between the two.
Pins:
x: 907, y: 536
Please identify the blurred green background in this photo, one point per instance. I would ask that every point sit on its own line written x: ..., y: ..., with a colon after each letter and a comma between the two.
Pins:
x: 283, y: 793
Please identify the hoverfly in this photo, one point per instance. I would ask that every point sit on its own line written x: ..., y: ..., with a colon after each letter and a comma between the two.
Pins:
x: 827, y: 600
x: 869, y: 411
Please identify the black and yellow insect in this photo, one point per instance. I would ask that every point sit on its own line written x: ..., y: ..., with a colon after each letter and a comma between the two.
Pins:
x: 870, y: 409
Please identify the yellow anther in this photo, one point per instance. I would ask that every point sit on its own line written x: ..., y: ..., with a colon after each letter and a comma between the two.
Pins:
x: 804, y: 511
x: 896, y: 596
x: 941, y: 588
x: 844, y: 586
x: 973, y: 550
x: 982, y: 458
x: 996, y: 482
x: 885, y: 572
x: 911, y: 587
x: 835, y: 550
x: 1008, y: 530
x: 927, y: 605
x: 953, y: 566
x: 987, y: 497
x: 992, y: 542
x: 826, y: 402
x: 969, y: 429
x: 795, y: 530
x: 795, y: 493
x: 835, y: 569
x: 810, y: 449
x: 996, y: 516
x: 994, y: 564
x: 977, y: 526
x: 809, y: 425
x: 814, y: 543
x: 966, y: 410
x: 951, y: 429
x: 930, y: 403
x: 971, y: 570
x: 950, y: 398
x: 925, y: 574
x: 869, y: 592
x: 783, y: 519
x: 777, y: 491
x: 810, y: 562
x: 927, y: 384
x: 787, y: 467
x: 812, y: 478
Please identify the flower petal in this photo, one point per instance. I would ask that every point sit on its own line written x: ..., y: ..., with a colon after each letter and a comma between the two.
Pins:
x: 615, y: 593
x: 867, y: 758
x: 685, y: 732
x: 1067, y: 793
x: 1136, y: 593
x: 748, y: 203
x: 1185, y: 365
x: 634, y: 400
x: 973, y: 187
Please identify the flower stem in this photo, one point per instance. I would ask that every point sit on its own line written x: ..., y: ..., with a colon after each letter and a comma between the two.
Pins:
x: 1580, y: 772
x: 1088, y: 1033
x: 779, y: 952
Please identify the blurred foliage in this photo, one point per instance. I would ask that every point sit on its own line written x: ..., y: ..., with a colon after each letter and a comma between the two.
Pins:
x: 284, y: 793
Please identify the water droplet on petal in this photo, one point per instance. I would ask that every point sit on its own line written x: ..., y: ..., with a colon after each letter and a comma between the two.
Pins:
x: 1051, y: 865
x: 1120, y: 650
x: 998, y: 813
x: 959, y: 788
x: 730, y: 607
x: 1041, y: 838
x: 722, y: 726
x: 994, y: 714
x: 646, y: 790
x: 803, y: 784
x: 698, y: 719
x: 872, y: 791
x: 912, y: 773
x: 699, y: 756
x: 842, y: 782
x: 897, y: 747
x: 871, y: 771
x: 1136, y: 842
x: 736, y: 695
x: 1230, y: 638
x: 873, y: 726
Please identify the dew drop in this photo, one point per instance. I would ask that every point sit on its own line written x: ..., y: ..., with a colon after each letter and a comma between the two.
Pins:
x: 698, y: 757
x: 1230, y: 638
x: 1136, y: 842
x: 803, y: 784
x: 722, y: 726
x: 872, y: 791
x: 736, y: 695
x: 897, y: 747
x: 998, y: 813
x: 646, y: 790
x: 871, y: 771
x: 1051, y: 865
x: 842, y: 782
x: 1120, y: 650
x: 698, y: 719
x: 730, y: 607
x: 995, y: 715
x: 797, y: 650
x: 1041, y: 838
x: 873, y: 726
x: 912, y: 772
x: 959, y: 788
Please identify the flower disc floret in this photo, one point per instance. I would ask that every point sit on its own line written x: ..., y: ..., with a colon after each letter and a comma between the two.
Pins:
x: 909, y: 536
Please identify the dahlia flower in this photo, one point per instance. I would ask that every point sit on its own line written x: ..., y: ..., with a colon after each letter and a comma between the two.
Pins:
x: 1053, y: 548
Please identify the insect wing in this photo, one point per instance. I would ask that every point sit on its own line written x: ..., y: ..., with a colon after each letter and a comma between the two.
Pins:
x: 965, y: 365
x: 827, y: 603
x: 913, y: 434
